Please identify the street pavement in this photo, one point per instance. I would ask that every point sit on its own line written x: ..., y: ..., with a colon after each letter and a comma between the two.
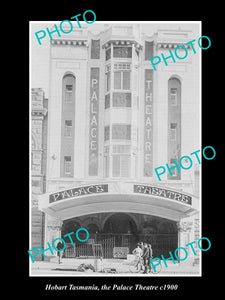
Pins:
x: 68, y: 268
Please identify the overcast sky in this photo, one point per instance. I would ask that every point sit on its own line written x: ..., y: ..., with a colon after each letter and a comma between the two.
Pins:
x: 39, y: 54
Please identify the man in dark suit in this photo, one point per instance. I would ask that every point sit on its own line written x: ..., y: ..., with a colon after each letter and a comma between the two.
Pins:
x: 145, y: 257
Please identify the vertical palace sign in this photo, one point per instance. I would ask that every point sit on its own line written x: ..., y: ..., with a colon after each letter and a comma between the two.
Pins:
x: 94, y: 122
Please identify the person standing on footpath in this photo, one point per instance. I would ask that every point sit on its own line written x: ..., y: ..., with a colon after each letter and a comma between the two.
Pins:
x: 59, y: 253
x: 145, y: 257
x: 150, y: 256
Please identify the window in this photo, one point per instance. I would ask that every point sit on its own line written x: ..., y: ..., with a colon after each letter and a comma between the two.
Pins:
x: 122, y: 52
x: 67, y: 165
x: 122, y: 80
x: 106, y: 133
x: 122, y: 66
x: 95, y: 49
x: 121, y: 99
x: 121, y: 165
x: 148, y: 50
x: 108, y: 54
x: 172, y: 164
x: 107, y: 101
x: 106, y: 162
x: 108, y: 81
x: 68, y: 93
x: 68, y: 128
x: 121, y: 131
x: 173, y: 96
x: 173, y: 131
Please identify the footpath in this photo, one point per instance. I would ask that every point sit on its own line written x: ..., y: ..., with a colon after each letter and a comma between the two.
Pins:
x: 121, y: 267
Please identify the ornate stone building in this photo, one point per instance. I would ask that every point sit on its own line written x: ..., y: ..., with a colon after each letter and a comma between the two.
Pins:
x: 112, y: 120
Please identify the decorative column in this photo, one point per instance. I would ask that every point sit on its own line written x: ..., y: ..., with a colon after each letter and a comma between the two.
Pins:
x: 53, y: 231
x: 185, y: 233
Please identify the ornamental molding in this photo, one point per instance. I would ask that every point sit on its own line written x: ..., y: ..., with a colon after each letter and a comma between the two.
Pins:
x: 123, y: 42
x: 77, y: 42
x: 39, y: 112
x: 171, y: 45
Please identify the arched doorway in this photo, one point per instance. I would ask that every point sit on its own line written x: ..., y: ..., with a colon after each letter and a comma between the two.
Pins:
x: 121, y: 231
x: 120, y: 223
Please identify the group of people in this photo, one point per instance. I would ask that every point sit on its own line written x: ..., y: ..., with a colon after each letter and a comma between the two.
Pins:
x: 143, y: 252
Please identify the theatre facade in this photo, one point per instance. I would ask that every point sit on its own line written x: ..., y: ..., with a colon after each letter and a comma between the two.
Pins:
x: 112, y: 119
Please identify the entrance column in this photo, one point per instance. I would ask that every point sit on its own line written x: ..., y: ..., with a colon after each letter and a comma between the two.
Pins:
x: 53, y: 231
x: 188, y: 232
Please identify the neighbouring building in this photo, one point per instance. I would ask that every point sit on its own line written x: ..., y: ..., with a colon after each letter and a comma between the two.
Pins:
x: 39, y: 106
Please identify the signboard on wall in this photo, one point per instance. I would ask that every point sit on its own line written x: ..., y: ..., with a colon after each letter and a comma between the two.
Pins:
x: 94, y: 122
x: 78, y: 191
x: 161, y: 192
x: 148, y: 123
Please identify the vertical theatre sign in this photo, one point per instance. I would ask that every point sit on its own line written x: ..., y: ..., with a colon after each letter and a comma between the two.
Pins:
x: 148, y: 125
x: 94, y: 120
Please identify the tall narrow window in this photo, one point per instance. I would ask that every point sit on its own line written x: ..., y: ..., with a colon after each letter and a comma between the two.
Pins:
x: 106, y: 162
x: 67, y: 165
x: 148, y: 50
x: 174, y: 125
x: 68, y: 93
x: 67, y: 126
x: 173, y: 96
x: 108, y: 78
x: 173, y: 129
x: 95, y: 49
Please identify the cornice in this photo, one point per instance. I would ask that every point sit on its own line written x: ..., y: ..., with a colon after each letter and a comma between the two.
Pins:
x: 70, y: 42
x: 171, y: 45
x: 124, y: 42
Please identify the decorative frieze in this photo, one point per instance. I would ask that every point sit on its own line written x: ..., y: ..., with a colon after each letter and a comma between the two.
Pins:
x: 83, y: 43
x: 137, y: 45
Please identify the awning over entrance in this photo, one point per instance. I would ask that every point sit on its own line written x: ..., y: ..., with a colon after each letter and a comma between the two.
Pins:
x: 118, y: 197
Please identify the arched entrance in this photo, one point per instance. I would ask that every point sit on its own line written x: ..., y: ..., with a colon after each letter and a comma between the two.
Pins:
x: 120, y: 223
x: 120, y: 214
x: 120, y: 232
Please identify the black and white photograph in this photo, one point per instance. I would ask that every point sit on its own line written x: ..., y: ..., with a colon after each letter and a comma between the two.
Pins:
x: 115, y: 148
